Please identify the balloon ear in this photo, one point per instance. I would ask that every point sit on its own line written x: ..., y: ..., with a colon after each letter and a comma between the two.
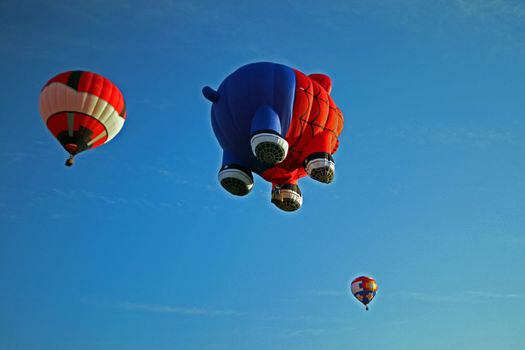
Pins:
x: 210, y: 94
x: 323, y: 80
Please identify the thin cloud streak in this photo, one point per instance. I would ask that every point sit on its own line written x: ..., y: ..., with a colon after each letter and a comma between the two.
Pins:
x: 494, y: 8
x: 320, y: 293
x: 474, y: 297
x: 306, y: 332
x: 442, y: 136
x: 490, y: 295
x: 97, y: 197
x: 182, y: 311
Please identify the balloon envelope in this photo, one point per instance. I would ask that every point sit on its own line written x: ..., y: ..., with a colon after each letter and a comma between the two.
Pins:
x: 364, y: 288
x: 83, y: 110
x: 279, y: 123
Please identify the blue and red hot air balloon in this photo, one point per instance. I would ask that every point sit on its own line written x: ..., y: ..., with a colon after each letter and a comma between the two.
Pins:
x: 279, y: 123
x: 364, y: 288
x: 83, y: 110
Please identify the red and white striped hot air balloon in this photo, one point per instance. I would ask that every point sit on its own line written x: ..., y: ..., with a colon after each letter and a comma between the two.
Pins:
x: 83, y: 110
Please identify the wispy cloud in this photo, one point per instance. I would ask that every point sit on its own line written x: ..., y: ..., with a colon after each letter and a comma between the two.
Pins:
x: 11, y: 153
x: 15, y: 153
x: 315, y: 331
x: 10, y: 216
x: 397, y: 322
x: 429, y: 297
x: 454, y: 135
x: 492, y: 8
x: 320, y: 293
x: 14, y: 156
x: 112, y: 200
x: 473, y: 297
x: 176, y: 178
x: 491, y: 295
x: 463, y: 135
x: 85, y: 194
x: 325, y: 295
x: 504, y: 18
x: 157, y: 103
x: 182, y: 311
x: 306, y: 332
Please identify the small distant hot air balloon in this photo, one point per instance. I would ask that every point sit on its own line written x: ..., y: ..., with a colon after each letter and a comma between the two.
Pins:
x: 364, y: 289
x: 83, y: 110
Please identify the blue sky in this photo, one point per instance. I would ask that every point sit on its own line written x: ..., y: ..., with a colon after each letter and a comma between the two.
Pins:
x: 138, y: 247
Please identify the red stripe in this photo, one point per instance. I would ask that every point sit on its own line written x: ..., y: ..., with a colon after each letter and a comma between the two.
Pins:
x: 60, y: 78
x: 58, y: 124
x: 97, y: 85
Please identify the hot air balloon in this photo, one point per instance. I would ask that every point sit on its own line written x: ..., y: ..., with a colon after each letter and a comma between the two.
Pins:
x: 83, y: 110
x: 279, y: 123
x: 364, y: 289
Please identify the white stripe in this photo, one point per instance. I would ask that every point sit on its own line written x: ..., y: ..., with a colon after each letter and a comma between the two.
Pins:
x: 114, y: 125
x: 99, y: 136
x: 58, y: 97
x: 356, y: 287
x: 99, y: 108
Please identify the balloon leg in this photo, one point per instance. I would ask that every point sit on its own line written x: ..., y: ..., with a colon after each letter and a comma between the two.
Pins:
x: 267, y: 143
x: 287, y: 196
x: 235, y: 178
x: 318, y: 163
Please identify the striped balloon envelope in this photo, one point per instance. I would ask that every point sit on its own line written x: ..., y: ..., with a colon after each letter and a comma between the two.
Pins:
x: 364, y: 289
x: 83, y: 110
